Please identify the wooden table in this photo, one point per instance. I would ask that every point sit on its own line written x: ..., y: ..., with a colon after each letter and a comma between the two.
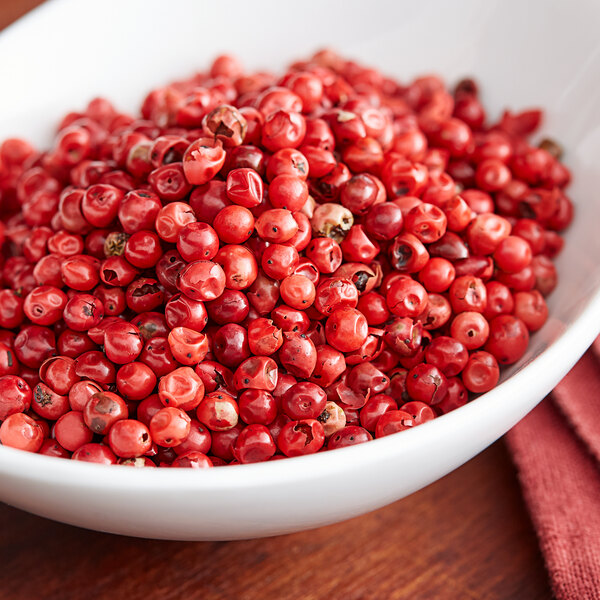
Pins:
x: 468, y: 536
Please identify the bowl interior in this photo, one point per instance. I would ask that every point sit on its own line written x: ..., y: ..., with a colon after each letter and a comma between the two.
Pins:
x: 49, y: 72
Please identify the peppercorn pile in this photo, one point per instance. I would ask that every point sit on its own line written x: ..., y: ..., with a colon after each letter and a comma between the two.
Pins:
x: 263, y: 266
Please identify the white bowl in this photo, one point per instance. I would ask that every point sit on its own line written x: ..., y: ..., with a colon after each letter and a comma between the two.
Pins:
x: 534, y: 53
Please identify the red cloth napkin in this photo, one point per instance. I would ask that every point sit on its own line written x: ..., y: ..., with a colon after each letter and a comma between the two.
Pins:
x: 556, y: 449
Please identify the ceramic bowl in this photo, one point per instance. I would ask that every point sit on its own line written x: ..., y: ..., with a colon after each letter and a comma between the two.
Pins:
x: 524, y: 54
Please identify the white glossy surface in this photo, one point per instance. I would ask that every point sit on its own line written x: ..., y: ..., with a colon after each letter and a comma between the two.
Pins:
x: 535, y: 53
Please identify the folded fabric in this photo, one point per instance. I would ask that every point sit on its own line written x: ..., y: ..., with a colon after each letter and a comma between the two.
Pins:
x: 556, y: 449
x: 578, y: 398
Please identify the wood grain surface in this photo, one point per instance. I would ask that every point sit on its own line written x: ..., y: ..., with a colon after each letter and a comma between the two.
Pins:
x: 468, y: 536
x: 10, y: 10
x: 465, y: 537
